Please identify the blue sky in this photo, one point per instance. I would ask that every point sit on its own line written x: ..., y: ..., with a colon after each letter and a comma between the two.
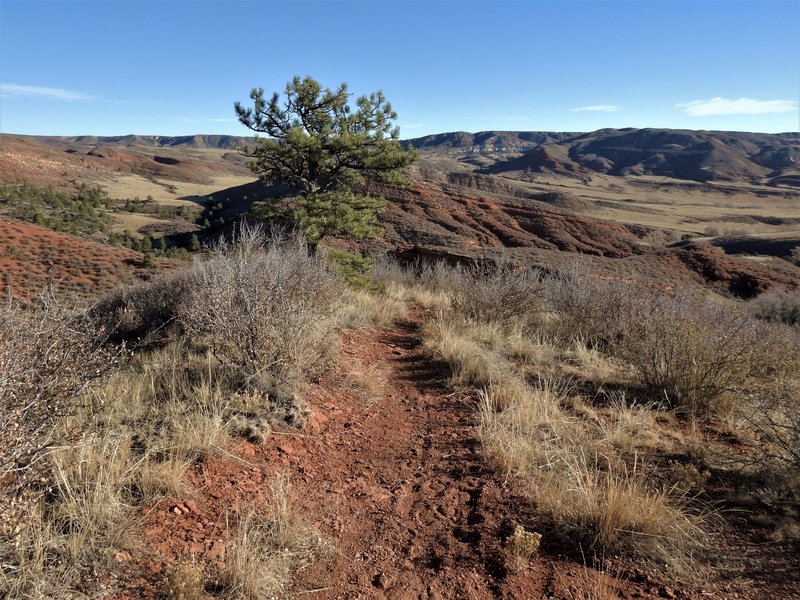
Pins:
x: 175, y: 68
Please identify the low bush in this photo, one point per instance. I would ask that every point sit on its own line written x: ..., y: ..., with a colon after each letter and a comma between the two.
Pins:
x: 496, y: 293
x: 49, y: 356
x: 587, y: 307
x: 779, y: 306
x: 147, y: 312
x: 688, y: 351
x: 264, y: 307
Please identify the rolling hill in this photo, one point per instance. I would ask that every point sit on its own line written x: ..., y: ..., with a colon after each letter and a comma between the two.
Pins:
x: 680, y: 154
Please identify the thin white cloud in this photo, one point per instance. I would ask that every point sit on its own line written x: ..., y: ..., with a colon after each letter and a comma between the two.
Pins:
x: 597, y: 108
x: 412, y: 125
x: 742, y: 106
x: 13, y: 90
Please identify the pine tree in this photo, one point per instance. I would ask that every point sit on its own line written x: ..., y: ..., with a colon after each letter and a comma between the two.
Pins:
x: 322, y: 145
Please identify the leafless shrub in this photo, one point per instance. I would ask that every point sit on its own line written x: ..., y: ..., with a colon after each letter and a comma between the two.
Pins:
x: 264, y: 307
x: 435, y: 275
x: 773, y: 407
x: 48, y: 357
x: 145, y: 312
x: 496, y: 293
x: 775, y: 305
x: 588, y: 308
x: 794, y: 255
x: 689, y: 351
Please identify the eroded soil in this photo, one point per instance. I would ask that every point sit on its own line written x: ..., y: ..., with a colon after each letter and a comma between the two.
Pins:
x: 402, y: 490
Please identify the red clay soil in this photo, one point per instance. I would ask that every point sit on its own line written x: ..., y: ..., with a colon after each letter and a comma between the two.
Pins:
x: 24, y: 160
x: 446, y: 218
x: 400, y: 487
x: 31, y: 257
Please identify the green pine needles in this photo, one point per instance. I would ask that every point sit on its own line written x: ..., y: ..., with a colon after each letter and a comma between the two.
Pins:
x: 322, y: 145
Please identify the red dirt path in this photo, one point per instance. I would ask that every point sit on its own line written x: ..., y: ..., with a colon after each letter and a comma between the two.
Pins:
x: 400, y: 487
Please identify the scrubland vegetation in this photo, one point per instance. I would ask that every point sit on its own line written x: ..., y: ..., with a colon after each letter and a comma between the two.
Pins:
x: 107, y: 408
x: 584, y: 386
x: 597, y: 397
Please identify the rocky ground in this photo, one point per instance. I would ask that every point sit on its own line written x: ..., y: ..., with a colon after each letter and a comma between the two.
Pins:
x: 397, y: 482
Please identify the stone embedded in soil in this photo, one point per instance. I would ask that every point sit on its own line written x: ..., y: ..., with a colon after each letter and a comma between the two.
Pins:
x: 216, y: 551
x: 381, y: 581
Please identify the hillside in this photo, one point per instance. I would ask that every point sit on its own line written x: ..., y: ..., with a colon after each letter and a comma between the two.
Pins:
x: 32, y: 257
x: 680, y: 154
x: 624, y: 197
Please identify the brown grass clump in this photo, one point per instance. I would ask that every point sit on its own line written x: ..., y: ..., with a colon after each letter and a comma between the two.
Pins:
x: 599, y: 506
x: 266, y: 552
x: 362, y: 310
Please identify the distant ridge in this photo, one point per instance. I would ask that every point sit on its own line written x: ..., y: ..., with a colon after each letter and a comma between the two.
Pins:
x: 772, y: 159
x: 158, y: 141
x: 681, y: 154
x: 489, y: 141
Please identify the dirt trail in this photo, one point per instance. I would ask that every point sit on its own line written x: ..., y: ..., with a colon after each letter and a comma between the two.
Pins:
x: 400, y: 486
x: 403, y: 488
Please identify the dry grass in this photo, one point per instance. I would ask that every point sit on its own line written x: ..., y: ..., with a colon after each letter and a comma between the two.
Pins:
x: 368, y: 382
x: 365, y: 310
x: 266, y: 552
x: 589, y: 362
x: 597, y: 504
x: 78, y: 528
x: 630, y: 426
x: 418, y: 295
x: 472, y: 362
x: 569, y: 458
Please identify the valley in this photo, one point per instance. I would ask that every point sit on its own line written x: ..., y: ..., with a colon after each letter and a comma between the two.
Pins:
x: 565, y: 367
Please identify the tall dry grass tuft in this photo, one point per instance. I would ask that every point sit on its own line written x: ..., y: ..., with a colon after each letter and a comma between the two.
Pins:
x: 78, y: 527
x: 362, y: 310
x: 620, y: 513
x: 267, y: 551
x: 595, y: 502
